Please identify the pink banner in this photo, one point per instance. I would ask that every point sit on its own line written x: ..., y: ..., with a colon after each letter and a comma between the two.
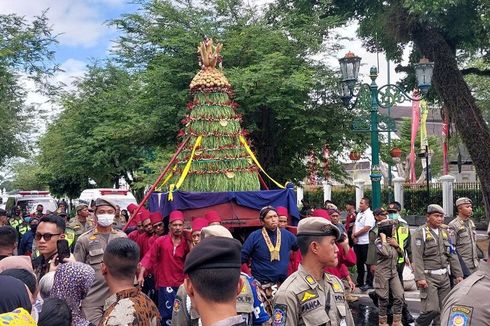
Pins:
x: 415, y: 128
x: 445, y: 133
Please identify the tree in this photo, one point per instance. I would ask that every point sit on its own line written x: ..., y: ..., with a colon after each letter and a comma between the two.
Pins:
x: 447, y: 32
x: 284, y: 96
x: 100, y: 135
x: 25, y: 49
x: 27, y: 176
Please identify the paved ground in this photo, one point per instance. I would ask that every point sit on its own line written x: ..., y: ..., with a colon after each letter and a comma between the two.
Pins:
x: 366, y: 314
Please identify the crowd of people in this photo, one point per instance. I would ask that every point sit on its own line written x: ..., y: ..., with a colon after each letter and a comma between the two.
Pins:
x: 87, y: 271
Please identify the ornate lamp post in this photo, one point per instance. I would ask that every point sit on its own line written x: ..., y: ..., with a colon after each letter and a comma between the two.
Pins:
x: 370, y: 96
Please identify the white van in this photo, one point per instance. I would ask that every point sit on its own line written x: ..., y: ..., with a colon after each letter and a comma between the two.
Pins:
x: 121, y: 197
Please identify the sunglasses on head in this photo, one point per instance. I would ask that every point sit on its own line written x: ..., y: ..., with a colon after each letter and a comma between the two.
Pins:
x: 46, y: 236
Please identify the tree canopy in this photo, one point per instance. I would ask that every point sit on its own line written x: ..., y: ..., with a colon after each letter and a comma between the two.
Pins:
x: 25, y: 52
x: 125, y: 113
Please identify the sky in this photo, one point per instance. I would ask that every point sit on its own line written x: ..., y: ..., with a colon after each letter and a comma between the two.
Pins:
x: 84, y: 35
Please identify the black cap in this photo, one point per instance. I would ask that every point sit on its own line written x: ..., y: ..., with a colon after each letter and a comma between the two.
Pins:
x: 214, y: 253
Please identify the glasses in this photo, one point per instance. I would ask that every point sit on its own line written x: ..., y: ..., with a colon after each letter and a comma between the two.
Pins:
x: 46, y: 236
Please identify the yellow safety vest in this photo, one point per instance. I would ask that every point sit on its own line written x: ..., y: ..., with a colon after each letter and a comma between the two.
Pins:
x: 402, y: 233
x: 23, y: 228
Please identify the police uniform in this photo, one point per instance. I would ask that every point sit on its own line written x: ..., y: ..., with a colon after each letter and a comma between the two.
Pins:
x: 467, y: 304
x: 302, y: 300
x: 386, y: 277
x: 431, y: 255
x: 463, y: 236
x: 78, y: 227
x: 89, y: 249
x: 216, y: 253
x: 184, y: 314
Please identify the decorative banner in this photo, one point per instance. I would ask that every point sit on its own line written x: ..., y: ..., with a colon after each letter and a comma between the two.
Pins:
x: 252, y: 156
x: 445, y: 133
x: 415, y: 127
x: 424, y: 112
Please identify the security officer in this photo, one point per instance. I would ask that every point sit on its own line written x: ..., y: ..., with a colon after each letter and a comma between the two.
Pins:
x: 89, y: 249
x: 462, y: 232
x: 79, y: 223
x: 386, y: 275
x: 403, y: 238
x: 468, y: 304
x: 309, y: 296
x: 247, y: 302
x: 431, y: 255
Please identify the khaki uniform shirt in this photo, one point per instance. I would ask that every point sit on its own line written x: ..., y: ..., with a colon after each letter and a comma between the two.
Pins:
x: 184, y: 314
x: 78, y: 227
x: 387, y: 259
x: 463, y: 235
x: 432, y: 251
x: 302, y: 301
x: 467, y: 303
x: 89, y: 249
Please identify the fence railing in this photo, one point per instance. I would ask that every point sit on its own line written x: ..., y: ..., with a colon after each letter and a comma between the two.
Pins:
x: 416, y: 197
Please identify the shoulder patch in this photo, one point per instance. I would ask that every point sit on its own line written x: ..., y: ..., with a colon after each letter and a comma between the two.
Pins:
x: 336, y: 286
x: 177, y: 304
x: 460, y: 315
x: 279, y: 315
x: 310, y: 280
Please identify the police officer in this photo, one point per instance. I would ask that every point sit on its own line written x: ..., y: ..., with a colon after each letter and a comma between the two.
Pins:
x: 309, y: 296
x: 89, y: 249
x: 247, y: 302
x: 79, y: 223
x: 468, y: 304
x: 431, y: 255
x: 462, y: 232
x: 386, y: 275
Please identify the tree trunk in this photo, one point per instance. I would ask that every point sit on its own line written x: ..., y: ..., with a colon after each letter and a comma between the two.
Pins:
x: 463, y: 111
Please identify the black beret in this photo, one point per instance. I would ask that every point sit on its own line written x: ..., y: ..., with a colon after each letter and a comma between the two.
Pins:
x: 214, y: 253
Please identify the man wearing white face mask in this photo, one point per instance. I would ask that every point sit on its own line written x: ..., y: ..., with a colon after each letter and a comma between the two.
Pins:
x: 89, y: 249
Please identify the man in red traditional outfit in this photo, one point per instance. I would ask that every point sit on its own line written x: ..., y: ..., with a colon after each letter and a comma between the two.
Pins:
x: 213, y: 217
x: 166, y: 257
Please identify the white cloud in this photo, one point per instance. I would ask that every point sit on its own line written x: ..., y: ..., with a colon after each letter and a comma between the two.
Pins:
x: 71, y: 70
x: 79, y: 22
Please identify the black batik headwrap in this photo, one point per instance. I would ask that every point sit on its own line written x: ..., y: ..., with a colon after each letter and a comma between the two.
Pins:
x: 265, y: 210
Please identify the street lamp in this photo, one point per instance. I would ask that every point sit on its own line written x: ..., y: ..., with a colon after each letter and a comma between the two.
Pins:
x: 369, y: 96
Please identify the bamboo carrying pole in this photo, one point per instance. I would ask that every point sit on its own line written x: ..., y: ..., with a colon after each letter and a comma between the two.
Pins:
x: 149, y: 192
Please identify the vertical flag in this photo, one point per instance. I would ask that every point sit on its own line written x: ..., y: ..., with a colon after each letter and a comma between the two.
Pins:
x: 415, y: 127
x: 424, y: 140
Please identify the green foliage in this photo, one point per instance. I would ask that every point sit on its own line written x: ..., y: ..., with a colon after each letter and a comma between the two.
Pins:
x: 27, y: 176
x: 123, y: 118
x: 25, y: 48
x: 100, y: 134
